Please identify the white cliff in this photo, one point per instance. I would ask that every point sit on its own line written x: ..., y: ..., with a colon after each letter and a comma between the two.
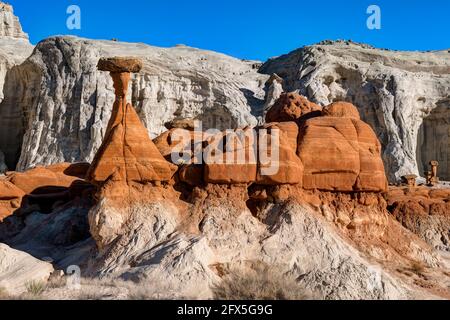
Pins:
x: 14, y: 49
x: 9, y: 23
x: 404, y: 96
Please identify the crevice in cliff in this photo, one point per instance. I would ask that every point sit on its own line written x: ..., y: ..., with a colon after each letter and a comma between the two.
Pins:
x: 434, y: 140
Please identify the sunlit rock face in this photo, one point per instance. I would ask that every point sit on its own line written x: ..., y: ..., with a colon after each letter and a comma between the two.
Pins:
x: 398, y: 93
x: 9, y: 23
x: 14, y: 49
x: 66, y: 121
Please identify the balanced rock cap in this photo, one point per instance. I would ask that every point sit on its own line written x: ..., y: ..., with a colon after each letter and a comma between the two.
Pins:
x: 120, y: 64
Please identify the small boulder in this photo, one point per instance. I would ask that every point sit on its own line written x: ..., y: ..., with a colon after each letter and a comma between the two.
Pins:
x: 290, y: 107
x: 290, y: 167
x: 341, y: 110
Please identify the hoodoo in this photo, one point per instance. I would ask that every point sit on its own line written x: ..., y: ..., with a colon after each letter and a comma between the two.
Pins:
x: 127, y: 153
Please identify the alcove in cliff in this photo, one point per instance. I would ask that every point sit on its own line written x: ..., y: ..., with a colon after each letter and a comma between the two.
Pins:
x: 434, y: 140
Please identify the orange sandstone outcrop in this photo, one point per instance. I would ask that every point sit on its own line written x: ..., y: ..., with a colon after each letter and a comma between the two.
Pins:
x: 10, y: 198
x: 341, y: 109
x: 340, y: 152
x: 290, y: 107
x: 290, y: 167
x: 231, y: 158
x: 176, y: 141
x: 41, y: 187
x: 58, y: 175
x: 127, y: 153
x: 424, y: 211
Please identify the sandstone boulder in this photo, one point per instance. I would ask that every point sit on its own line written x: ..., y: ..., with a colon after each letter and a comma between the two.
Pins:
x: 391, y: 89
x: 177, y: 140
x: 341, y: 154
x: 128, y: 154
x: 290, y: 167
x: 341, y: 110
x: 290, y: 107
x: 40, y: 177
x: 231, y: 157
x: 183, y: 148
x: 10, y: 198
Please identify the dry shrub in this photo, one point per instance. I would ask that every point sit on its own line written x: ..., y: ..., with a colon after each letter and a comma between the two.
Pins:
x: 418, y: 268
x: 35, y: 288
x: 3, y: 294
x: 262, y: 283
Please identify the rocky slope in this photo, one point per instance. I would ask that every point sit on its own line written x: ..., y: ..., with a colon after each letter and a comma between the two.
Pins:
x: 67, y: 120
x: 404, y: 96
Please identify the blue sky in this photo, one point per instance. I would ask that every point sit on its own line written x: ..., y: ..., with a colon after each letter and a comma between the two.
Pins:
x: 245, y: 29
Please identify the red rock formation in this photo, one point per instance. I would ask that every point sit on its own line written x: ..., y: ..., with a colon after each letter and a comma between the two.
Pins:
x: 424, y: 211
x: 39, y: 188
x: 290, y: 167
x: 340, y: 152
x: 175, y: 140
x: 40, y: 177
x: 406, y: 203
x: 178, y: 140
x: 10, y: 198
x: 237, y: 154
x: 290, y: 107
x: 127, y: 153
x: 341, y: 110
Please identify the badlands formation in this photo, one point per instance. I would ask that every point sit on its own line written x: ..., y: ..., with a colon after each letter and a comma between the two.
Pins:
x: 92, y: 135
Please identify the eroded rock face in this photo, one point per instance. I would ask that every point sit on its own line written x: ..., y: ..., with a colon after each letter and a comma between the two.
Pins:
x: 290, y: 107
x: 18, y: 268
x: 337, y: 252
x: 41, y: 188
x: 9, y: 23
x: 290, y: 167
x: 10, y: 198
x: 127, y: 154
x: 67, y: 121
x: 394, y: 92
x: 340, y: 152
x: 424, y: 211
x: 14, y: 49
x: 236, y: 159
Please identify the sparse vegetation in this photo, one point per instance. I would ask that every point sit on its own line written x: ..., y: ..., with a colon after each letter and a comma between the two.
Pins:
x: 35, y: 288
x: 3, y: 293
x: 418, y: 268
x: 264, y: 283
